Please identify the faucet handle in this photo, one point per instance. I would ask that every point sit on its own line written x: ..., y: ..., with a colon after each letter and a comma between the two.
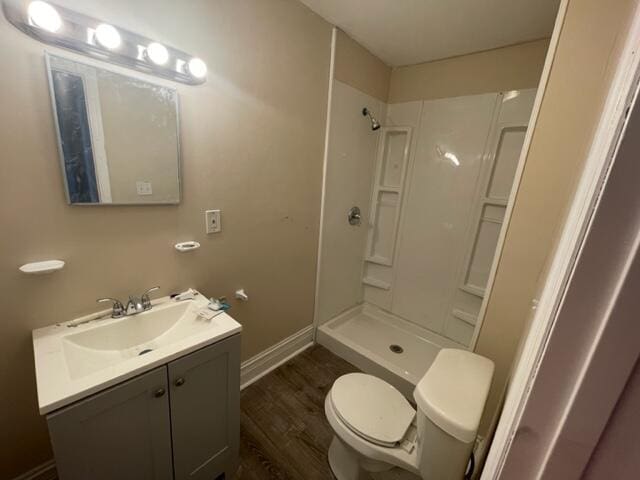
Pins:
x: 146, y: 301
x: 117, y: 310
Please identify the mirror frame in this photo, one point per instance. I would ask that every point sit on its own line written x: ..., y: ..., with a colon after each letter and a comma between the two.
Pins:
x: 98, y: 65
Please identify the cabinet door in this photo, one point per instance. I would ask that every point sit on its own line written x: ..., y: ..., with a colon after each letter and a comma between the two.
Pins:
x: 123, y: 432
x: 205, y: 411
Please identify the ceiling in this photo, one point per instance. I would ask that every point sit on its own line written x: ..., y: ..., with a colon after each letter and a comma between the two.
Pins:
x: 405, y: 32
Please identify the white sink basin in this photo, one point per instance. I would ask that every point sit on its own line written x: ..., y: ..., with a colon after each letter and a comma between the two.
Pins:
x: 77, y: 358
x: 138, y: 330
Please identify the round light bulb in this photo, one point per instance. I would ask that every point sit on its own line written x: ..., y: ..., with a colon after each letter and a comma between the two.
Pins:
x: 108, y: 36
x: 44, y: 16
x: 197, y: 68
x: 157, y: 53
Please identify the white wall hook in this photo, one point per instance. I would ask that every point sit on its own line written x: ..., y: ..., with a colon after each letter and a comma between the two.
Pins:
x: 242, y: 295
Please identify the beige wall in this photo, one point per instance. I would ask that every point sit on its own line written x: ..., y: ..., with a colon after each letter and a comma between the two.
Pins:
x: 252, y: 144
x: 509, y: 68
x: 356, y: 66
x: 583, y: 66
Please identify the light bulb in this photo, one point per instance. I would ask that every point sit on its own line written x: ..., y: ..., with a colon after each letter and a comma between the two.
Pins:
x: 197, y: 68
x: 157, y: 53
x: 108, y: 36
x: 44, y: 16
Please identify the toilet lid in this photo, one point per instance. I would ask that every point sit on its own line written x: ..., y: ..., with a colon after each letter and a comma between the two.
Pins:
x: 372, y: 408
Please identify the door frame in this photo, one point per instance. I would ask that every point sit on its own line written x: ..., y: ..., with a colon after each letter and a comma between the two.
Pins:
x: 621, y: 96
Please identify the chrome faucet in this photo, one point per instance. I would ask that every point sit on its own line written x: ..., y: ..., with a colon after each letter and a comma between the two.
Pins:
x: 117, y: 310
x: 134, y: 306
x: 146, y: 301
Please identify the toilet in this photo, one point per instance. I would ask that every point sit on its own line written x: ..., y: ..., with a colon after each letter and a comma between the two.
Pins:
x: 378, y: 432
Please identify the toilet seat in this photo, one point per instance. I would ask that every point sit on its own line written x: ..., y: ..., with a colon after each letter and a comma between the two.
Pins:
x: 404, y: 458
x: 372, y: 408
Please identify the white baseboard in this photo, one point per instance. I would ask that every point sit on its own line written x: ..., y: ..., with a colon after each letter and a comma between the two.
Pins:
x: 46, y: 471
x: 271, y: 358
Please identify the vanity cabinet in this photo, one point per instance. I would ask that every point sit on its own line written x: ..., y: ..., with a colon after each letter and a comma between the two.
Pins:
x: 123, y: 429
x: 205, y: 410
x: 180, y: 421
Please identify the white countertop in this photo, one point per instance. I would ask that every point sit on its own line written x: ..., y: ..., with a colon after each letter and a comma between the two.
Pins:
x: 68, y: 370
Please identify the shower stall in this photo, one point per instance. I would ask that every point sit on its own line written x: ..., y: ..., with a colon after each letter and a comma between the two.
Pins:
x: 431, y: 184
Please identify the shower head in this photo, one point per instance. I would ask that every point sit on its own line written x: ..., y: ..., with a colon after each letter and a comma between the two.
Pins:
x: 375, y: 124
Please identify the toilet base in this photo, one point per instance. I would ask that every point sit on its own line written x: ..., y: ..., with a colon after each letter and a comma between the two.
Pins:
x: 347, y: 464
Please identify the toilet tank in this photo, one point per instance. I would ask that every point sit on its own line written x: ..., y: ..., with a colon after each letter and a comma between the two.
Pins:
x: 450, y: 400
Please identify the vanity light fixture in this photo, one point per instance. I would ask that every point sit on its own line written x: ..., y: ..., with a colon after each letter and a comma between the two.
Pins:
x: 157, y: 53
x: 197, y: 68
x: 108, y: 36
x: 61, y: 27
x: 43, y: 15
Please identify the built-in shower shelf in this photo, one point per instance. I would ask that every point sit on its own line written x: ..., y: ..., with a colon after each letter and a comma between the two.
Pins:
x: 386, y: 201
x: 465, y: 317
x: 385, y: 188
x: 380, y: 260
x: 372, y: 282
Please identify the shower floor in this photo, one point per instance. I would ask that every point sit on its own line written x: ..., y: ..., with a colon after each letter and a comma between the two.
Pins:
x: 366, y: 336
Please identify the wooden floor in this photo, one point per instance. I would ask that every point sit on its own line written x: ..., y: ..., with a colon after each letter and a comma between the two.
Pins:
x: 284, y: 432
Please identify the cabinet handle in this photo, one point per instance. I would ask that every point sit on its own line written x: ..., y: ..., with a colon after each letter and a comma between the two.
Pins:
x: 179, y: 382
x: 159, y: 392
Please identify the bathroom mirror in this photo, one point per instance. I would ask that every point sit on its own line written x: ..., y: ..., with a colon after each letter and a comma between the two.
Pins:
x: 117, y: 135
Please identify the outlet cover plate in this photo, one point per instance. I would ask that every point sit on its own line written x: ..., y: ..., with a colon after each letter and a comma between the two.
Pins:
x: 212, y: 221
x: 144, y: 188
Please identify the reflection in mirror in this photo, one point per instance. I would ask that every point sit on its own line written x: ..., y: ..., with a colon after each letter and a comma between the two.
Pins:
x: 118, y: 135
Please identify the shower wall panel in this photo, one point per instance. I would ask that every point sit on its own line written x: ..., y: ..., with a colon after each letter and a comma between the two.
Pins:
x: 462, y: 164
x: 453, y: 133
x: 398, y: 115
x: 435, y: 228
x: 496, y: 181
x: 349, y: 176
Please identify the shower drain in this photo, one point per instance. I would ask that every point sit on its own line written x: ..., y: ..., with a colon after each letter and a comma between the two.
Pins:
x: 396, y: 348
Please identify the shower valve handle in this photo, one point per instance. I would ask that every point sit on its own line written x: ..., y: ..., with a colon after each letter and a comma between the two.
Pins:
x: 354, y: 216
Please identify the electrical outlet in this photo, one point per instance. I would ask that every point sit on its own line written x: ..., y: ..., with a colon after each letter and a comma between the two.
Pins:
x: 212, y: 221
x: 144, y: 188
